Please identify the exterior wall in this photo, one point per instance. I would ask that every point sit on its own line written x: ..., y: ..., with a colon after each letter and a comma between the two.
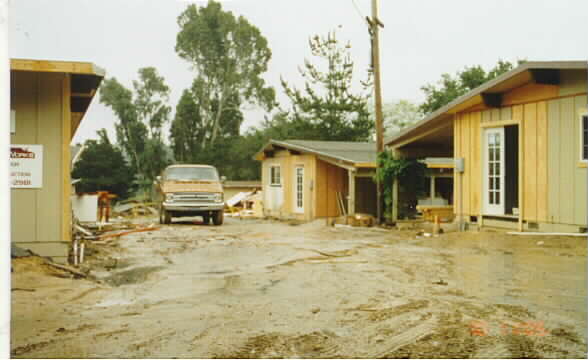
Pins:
x: 330, y: 180
x: 552, y: 182
x: 566, y: 178
x: 287, y: 162
x: 40, y: 217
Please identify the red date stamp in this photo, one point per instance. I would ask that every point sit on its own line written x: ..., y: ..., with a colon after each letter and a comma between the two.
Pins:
x: 528, y: 328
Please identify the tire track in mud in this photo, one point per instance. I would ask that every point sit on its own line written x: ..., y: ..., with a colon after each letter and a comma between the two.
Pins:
x: 317, y: 344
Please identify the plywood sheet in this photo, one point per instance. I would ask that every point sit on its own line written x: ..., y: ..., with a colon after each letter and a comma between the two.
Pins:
x: 554, y: 168
x: 542, y: 162
x: 580, y: 178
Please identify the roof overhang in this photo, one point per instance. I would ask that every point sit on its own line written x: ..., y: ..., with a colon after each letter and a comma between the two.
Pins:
x: 488, y: 95
x: 274, y: 145
x: 85, y: 80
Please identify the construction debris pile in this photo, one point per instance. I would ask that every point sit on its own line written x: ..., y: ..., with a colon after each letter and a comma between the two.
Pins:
x: 245, y: 205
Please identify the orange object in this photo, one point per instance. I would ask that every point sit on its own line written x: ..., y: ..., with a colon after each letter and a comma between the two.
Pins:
x: 127, y: 232
x: 104, y: 198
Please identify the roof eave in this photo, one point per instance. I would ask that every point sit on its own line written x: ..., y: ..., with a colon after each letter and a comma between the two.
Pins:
x: 447, y: 109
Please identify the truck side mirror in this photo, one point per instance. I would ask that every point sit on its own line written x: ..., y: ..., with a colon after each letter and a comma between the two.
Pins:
x: 157, y: 179
x: 223, y: 179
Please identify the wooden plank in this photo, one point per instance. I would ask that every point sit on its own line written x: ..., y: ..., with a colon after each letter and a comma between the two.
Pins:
x: 530, y: 180
x: 506, y: 113
x: 568, y: 158
x: 371, y: 165
x: 65, y: 159
x: 499, y: 123
x: 321, y: 190
x: 457, y: 151
x: 465, y: 141
x: 554, y: 150
x: 55, y: 66
x: 351, y: 199
x: 530, y: 93
x: 486, y: 116
x: 517, y: 115
x: 495, y: 114
x: 542, y: 163
x: 476, y: 175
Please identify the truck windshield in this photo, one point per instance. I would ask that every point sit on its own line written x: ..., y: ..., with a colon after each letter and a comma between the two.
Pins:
x: 191, y: 173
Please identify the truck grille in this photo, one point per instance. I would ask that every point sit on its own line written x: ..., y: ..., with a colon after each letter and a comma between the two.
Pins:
x: 193, y: 197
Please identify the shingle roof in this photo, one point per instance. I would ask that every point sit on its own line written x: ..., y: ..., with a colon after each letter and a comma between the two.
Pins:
x: 354, y: 152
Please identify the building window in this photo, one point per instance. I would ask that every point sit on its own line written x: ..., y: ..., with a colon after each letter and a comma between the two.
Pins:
x: 275, y: 176
x: 585, y: 137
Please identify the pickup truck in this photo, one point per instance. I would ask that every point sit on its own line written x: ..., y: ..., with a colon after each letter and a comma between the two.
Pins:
x: 190, y: 190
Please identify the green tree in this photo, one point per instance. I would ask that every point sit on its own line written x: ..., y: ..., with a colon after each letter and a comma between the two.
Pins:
x: 398, y: 115
x: 229, y: 56
x: 327, y: 108
x: 451, y: 87
x: 103, y: 167
x: 141, y: 115
x: 187, y: 131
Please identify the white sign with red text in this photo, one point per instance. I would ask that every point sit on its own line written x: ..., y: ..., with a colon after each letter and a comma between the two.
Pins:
x: 26, y: 166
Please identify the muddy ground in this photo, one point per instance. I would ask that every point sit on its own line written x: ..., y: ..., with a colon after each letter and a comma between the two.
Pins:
x: 258, y: 289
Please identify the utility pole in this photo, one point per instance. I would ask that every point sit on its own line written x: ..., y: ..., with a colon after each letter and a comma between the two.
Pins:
x: 374, y: 28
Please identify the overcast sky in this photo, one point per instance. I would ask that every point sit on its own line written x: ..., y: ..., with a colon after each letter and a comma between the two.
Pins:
x: 421, y: 40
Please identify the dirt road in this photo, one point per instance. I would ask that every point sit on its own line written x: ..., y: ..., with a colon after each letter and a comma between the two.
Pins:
x: 254, y: 289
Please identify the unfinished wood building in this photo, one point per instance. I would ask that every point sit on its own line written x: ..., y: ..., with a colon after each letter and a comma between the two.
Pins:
x: 306, y: 180
x: 523, y: 138
x: 48, y: 100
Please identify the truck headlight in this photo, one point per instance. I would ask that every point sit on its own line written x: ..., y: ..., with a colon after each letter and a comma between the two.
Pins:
x: 218, y: 197
x: 169, y: 197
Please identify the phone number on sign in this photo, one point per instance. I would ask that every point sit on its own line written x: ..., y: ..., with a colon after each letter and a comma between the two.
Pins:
x: 21, y: 182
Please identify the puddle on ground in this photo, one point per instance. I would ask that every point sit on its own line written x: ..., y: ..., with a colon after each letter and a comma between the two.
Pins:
x: 507, y: 270
x: 132, y: 276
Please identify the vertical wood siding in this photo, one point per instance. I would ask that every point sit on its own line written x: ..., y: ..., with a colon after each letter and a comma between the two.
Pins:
x: 330, y: 179
x: 567, y: 181
x: 37, y: 214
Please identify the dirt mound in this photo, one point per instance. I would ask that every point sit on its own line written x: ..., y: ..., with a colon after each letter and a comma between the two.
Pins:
x: 35, y: 264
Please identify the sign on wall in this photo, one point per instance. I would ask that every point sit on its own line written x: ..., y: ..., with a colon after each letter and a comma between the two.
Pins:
x: 26, y: 166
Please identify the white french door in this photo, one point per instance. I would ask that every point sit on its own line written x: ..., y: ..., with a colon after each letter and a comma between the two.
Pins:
x: 494, y: 171
x: 299, y: 189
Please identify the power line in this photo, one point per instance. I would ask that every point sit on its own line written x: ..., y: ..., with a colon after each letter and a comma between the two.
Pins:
x: 359, y: 11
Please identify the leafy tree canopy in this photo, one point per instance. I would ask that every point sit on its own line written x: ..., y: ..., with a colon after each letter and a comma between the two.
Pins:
x: 398, y: 115
x: 141, y: 115
x: 102, y: 167
x: 450, y: 87
x: 327, y: 108
x: 229, y: 56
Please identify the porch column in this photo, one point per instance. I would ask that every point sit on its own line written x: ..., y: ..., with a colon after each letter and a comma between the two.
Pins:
x: 351, y: 197
x: 432, y: 188
x: 395, y: 200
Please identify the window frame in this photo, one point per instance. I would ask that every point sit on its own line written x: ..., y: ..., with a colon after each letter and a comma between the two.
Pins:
x: 272, y: 176
x: 583, y: 136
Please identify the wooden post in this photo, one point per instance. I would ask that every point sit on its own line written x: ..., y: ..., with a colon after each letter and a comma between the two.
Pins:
x: 375, y: 34
x: 432, y: 188
x: 395, y: 200
x: 351, y: 197
x: 521, y: 173
x: 66, y: 136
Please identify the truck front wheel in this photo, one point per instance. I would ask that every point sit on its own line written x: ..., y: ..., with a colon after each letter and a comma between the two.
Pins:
x: 218, y: 217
